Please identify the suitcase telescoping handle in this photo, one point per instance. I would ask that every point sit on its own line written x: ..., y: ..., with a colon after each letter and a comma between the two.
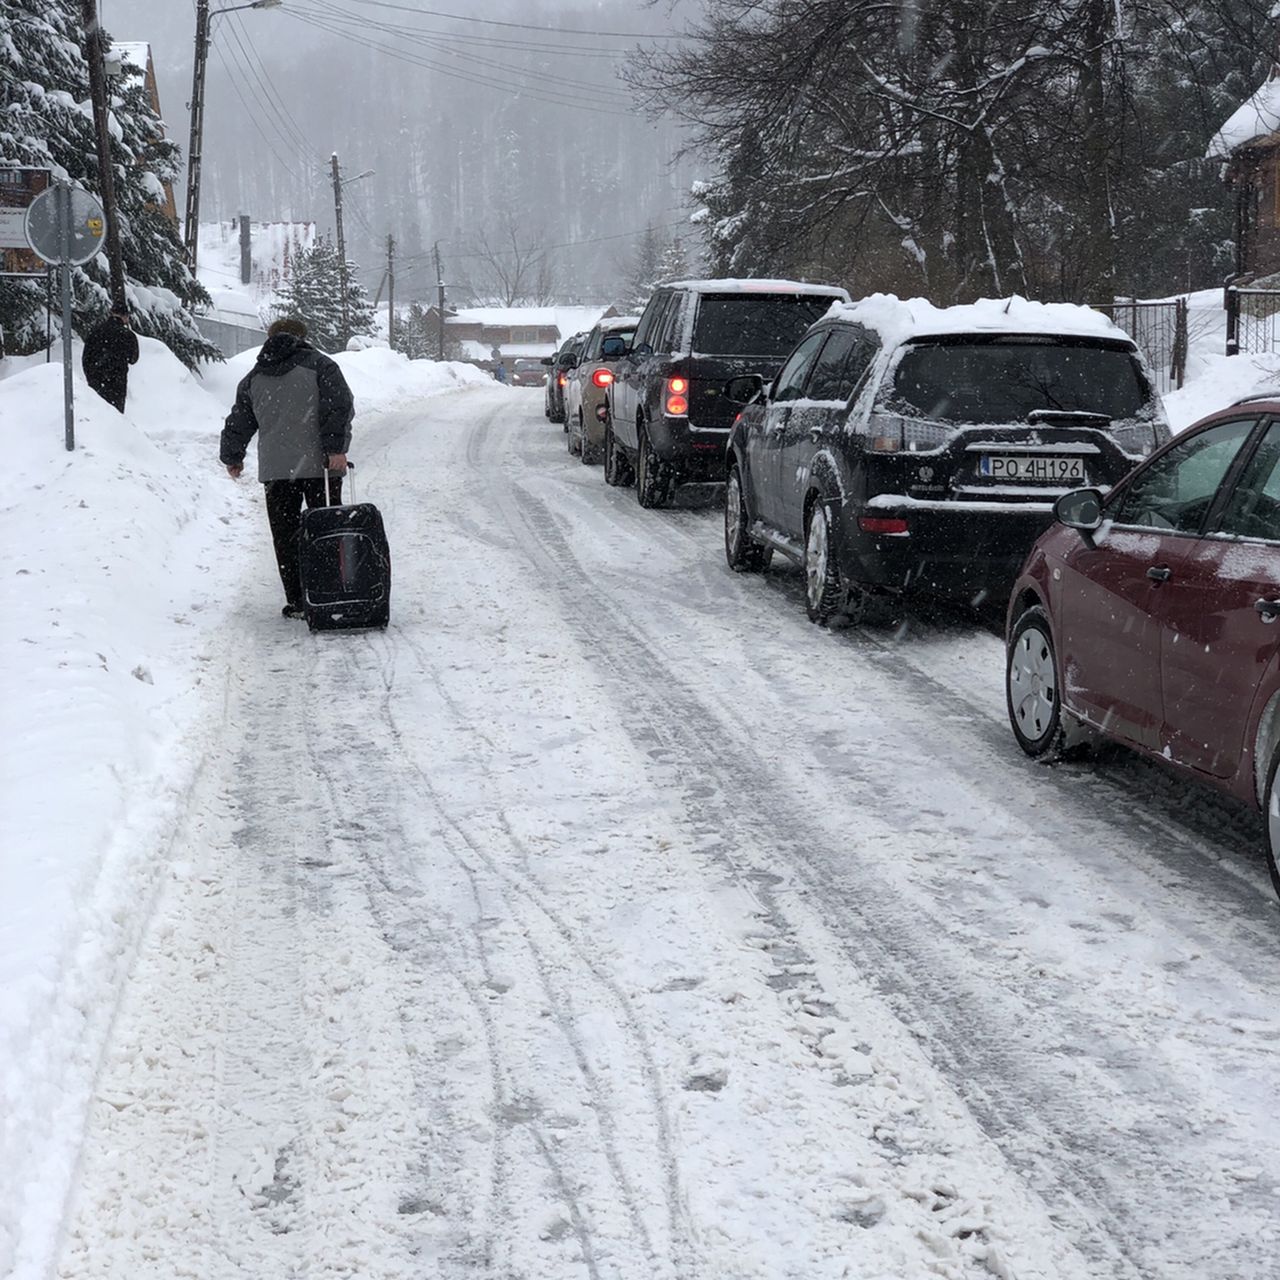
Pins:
x: 328, y: 495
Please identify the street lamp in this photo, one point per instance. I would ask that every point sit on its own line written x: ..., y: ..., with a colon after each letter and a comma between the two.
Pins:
x: 204, y: 16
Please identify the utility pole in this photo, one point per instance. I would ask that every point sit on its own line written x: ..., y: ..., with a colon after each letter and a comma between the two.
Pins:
x: 440, y: 299
x: 342, y: 250
x: 106, y: 169
x: 191, y: 222
x: 391, y: 293
x: 195, y: 148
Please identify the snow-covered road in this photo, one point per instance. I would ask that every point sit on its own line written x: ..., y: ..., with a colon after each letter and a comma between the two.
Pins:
x: 603, y: 918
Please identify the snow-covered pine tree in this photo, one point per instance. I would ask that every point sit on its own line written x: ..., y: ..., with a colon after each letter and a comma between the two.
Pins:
x: 643, y: 273
x: 672, y: 264
x: 46, y: 121
x: 313, y: 293
x: 413, y: 335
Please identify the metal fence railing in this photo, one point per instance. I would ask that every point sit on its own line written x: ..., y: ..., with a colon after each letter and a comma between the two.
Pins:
x: 230, y: 339
x: 1253, y: 320
x: 1160, y: 330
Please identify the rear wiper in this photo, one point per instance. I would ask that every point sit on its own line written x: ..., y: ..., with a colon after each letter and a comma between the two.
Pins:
x: 1067, y: 418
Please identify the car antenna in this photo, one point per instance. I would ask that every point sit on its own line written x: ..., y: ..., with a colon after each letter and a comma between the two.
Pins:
x: 1008, y: 304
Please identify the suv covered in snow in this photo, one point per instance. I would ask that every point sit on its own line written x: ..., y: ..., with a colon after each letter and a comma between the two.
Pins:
x: 668, y: 418
x: 904, y: 447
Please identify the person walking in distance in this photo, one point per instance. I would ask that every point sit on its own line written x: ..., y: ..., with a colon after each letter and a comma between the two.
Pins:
x: 109, y: 350
x: 297, y: 402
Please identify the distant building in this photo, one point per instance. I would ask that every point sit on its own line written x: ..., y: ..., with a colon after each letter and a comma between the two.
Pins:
x: 482, y: 335
x: 1249, y: 146
x: 134, y: 58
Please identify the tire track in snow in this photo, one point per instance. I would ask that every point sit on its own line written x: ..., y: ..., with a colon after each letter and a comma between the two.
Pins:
x: 1010, y: 1096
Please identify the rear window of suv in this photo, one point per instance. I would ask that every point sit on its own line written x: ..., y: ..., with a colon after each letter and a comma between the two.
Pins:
x: 1000, y: 381
x: 754, y: 324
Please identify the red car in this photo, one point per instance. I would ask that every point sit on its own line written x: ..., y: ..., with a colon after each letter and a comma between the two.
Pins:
x: 1151, y: 615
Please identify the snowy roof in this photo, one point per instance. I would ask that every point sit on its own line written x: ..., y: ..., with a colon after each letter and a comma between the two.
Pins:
x: 901, y: 320
x: 614, y: 323
x: 133, y: 53
x: 1258, y: 118
x: 759, y: 286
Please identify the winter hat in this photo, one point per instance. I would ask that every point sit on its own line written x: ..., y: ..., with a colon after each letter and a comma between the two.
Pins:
x: 288, y: 324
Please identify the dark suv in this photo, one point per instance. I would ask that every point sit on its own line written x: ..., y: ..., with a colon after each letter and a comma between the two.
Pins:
x: 907, y: 448
x: 668, y: 418
x: 558, y: 367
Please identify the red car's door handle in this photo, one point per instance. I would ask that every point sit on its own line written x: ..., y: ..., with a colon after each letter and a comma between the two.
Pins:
x: 1159, y: 573
x: 1269, y: 609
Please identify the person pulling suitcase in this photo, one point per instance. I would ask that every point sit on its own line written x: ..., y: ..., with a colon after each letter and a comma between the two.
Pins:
x: 297, y: 402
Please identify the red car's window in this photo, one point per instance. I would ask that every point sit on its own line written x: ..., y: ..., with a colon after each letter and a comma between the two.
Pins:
x: 1253, y: 511
x: 1176, y: 491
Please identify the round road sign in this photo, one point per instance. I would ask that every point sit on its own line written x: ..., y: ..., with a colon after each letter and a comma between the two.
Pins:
x: 88, y: 226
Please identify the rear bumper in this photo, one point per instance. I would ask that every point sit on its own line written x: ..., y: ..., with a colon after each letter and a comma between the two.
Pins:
x: 698, y: 453
x: 963, y: 550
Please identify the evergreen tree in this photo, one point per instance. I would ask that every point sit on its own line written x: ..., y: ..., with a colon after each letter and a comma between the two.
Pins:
x: 672, y: 264
x: 414, y: 334
x: 643, y: 273
x: 313, y: 293
x: 46, y: 122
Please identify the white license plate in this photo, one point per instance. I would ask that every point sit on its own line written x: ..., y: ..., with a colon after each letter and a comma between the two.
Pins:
x: 1032, y: 466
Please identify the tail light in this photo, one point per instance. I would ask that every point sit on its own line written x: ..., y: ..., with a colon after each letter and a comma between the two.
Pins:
x: 894, y: 526
x: 563, y: 379
x: 677, y: 397
x: 602, y: 377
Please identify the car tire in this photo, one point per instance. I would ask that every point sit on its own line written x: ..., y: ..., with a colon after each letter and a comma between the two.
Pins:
x: 569, y: 442
x: 743, y: 555
x: 823, y: 589
x: 1032, y: 687
x: 1271, y: 819
x: 617, y: 470
x: 586, y: 450
x: 653, y: 485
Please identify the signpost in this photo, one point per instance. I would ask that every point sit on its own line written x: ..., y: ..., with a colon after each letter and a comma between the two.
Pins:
x: 66, y: 226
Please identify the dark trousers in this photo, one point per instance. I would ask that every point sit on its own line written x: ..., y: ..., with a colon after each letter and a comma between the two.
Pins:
x: 113, y: 387
x: 284, y: 512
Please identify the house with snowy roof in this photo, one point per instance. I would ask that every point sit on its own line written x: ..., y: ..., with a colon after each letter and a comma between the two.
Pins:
x: 479, y: 333
x: 133, y: 58
x: 1248, y: 144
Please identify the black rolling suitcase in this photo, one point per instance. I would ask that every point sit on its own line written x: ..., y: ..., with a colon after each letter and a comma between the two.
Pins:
x: 345, y: 563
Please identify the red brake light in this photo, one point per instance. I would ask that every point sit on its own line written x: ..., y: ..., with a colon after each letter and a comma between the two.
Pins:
x: 677, y: 397
x: 602, y: 377
x: 677, y: 406
x: 883, y: 524
x: 563, y: 379
x: 677, y: 386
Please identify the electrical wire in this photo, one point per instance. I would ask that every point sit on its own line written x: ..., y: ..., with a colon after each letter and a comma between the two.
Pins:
x: 406, y: 31
x: 441, y: 44
x: 520, y: 26
x: 284, y: 164
x: 245, y: 43
x: 560, y: 98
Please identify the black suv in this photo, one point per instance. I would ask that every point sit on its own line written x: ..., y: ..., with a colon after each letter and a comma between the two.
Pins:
x: 904, y: 447
x: 558, y: 367
x: 668, y: 418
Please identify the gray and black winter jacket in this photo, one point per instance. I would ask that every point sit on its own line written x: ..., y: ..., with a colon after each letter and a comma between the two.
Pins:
x: 297, y: 401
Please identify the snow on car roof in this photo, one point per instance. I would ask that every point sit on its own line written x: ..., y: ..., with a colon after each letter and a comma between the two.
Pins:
x: 614, y: 323
x: 1258, y: 118
x: 759, y: 286
x: 899, y: 320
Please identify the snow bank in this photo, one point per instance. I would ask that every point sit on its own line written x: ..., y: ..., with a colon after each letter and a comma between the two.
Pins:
x: 124, y: 559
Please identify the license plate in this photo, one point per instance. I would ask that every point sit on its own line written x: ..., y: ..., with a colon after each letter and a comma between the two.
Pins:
x: 1032, y: 466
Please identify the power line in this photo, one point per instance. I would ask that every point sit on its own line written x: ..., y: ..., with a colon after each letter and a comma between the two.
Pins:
x: 504, y: 86
x: 520, y: 26
x: 251, y: 55
x: 590, y: 88
x: 227, y: 66
x: 489, y: 42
